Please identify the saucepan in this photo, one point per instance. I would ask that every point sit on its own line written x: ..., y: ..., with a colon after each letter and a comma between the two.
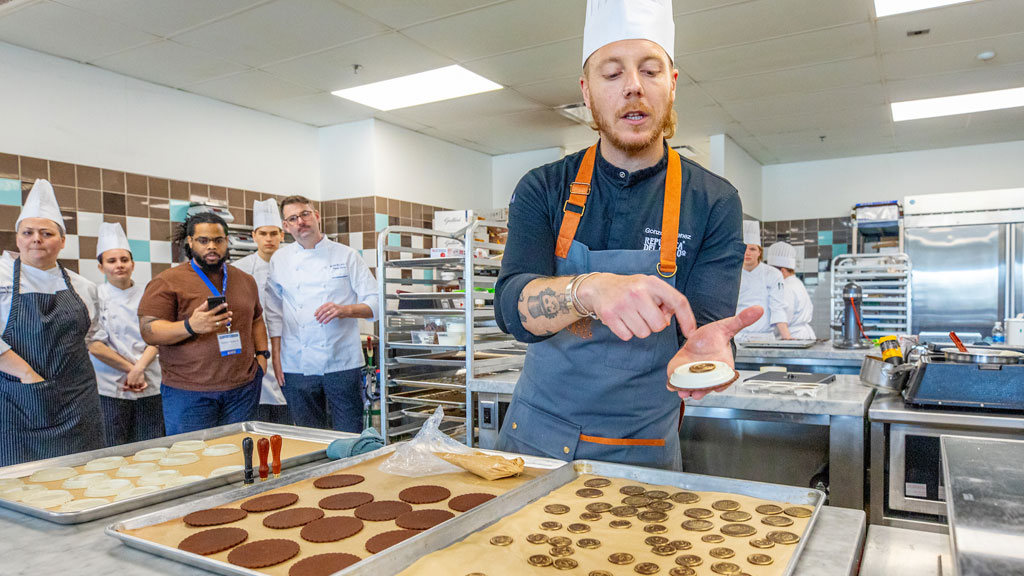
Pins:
x: 980, y: 355
x: 877, y: 373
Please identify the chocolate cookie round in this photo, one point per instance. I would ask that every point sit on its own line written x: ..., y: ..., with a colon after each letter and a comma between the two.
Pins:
x: 345, y: 500
x: 424, y: 494
x: 212, y: 541
x: 263, y: 553
x: 468, y: 501
x: 331, y: 529
x: 323, y: 564
x: 382, y: 511
x: 214, y: 516
x: 270, y: 502
x: 423, y: 519
x: 388, y: 539
x: 292, y: 517
x: 338, y: 481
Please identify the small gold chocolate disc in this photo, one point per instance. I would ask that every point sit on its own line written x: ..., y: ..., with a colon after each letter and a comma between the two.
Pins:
x: 685, y: 498
x: 556, y: 509
x: 599, y: 507
x: 590, y: 516
x: 682, y: 571
x: 621, y: 558
x: 713, y: 538
x: 597, y: 483
x: 501, y: 540
x: 735, y: 516
x: 664, y: 550
x: 726, y: 505
x: 797, y: 512
x: 599, y: 573
x: 623, y: 511
x: 536, y: 538
x: 702, y: 367
x: 782, y: 537
x: 539, y: 560
x: 761, y: 543
x: 759, y: 559
x: 656, y: 494
x: 588, y: 543
x: 721, y: 553
x: 726, y: 568
x: 698, y: 513
x: 661, y: 505
x: 620, y: 524
x: 651, y: 516
x: 560, y: 551
x: 777, y: 521
x: 646, y: 568
x: 655, y: 540
x: 589, y: 493
x: 689, y: 560
x: 770, y: 509
x: 550, y: 525
x: 680, y: 545
x: 578, y: 528
x: 637, y: 501
x: 558, y: 541
x: 632, y: 490
x: 698, y: 525
x: 655, y: 529
x: 739, y: 530
x: 565, y: 563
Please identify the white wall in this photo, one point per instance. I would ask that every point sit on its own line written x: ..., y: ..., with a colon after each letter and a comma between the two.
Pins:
x: 508, y: 169
x: 346, y: 160
x: 830, y: 188
x: 732, y: 162
x: 62, y: 110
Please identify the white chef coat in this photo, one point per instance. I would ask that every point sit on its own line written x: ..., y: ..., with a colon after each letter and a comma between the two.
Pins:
x: 300, y: 281
x: 799, y: 309
x: 254, y: 266
x: 119, y: 323
x: 762, y: 286
x: 34, y: 280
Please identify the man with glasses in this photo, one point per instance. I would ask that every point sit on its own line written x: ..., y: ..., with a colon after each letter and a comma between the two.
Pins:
x: 316, y: 290
x: 212, y: 358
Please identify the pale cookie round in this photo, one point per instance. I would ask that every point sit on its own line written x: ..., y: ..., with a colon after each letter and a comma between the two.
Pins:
x: 181, y: 480
x: 159, y: 478
x: 188, y: 446
x: 6, y: 483
x: 221, y: 450
x: 702, y: 375
x: 150, y: 454
x: 47, y: 498
x: 136, y: 470
x: 16, y: 493
x: 84, y: 480
x: 179, y: 459
x: 108, y: 488
x: 52, y: 474
x: 136, y: 491
x: 227, y: 470
x: 108, y: 463
x: 83, y: 504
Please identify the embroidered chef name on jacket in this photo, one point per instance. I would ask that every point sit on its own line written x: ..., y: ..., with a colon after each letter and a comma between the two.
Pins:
x: 652, y: 241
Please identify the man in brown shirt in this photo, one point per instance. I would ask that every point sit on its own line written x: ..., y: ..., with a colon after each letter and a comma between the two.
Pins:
x: 212, y: 360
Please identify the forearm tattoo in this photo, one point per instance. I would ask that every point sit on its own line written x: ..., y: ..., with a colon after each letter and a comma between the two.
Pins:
x: 547, y: 303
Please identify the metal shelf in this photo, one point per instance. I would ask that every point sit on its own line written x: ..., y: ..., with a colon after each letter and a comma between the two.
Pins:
x: 885, y: 282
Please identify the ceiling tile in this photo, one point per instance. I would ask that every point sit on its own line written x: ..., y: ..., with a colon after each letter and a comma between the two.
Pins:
x: 977, y: 80
x: 63, y: 31
x: 555, y: 92
x: 690, y: 96
x: 255, y: 89
x: 822, y: 101
x: 168, y: 63
x: 822, y: 120
x: 708, y: 120
x: 497, y: 103
x: 687, y: 6
x: 555, y: 60
x: 959, y: 57
x: 319, y: 109
x: 442, y: 135
x: 519, y: 132
x: 796, y: 81
x: 160, y: 16
x: 280, y: 30
x: 954, y: 23
x: 402, y: 13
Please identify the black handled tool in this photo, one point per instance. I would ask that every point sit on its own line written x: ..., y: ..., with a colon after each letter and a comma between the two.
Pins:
x: 247, y: 454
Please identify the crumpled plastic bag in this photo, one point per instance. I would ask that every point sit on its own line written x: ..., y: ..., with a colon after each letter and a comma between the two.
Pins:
x: 416, y: 457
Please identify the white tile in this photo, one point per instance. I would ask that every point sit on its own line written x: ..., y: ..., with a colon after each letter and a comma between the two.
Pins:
x: 160, y: 252
x: 143, y: 273
x: 89, y: 223
x: 70, y: 251
x: 138, y: 228
x: 394, y: 274
x: 91, y: 271
x: 419, y: 274
x: 370, y: 257
x: 355, y: 241
x: 417, y: 241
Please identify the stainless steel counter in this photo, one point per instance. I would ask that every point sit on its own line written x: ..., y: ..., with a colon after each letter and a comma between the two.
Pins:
x: 821, y: 357
x: 890, y: 551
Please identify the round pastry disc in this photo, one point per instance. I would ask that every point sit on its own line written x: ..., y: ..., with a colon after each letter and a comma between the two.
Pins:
x: 136, y: 470
x: 424, y: 494
x: 159, y: 478
x: 337, y: 481
x: 345, y: 500
x: 6, y: 483
x: 423, y: 519
x: 150, y: 454
x: 323, y: 564
x: 221, y: 450
x: 16, y: 493
x: 47, y: 498
x: 83, y: 504
x: 188, y: 446
x: 52, y: 474
x: 213, y: 540
x: 214, y: 516
x: 292, y: 517
x: 84, y: 480
x: 182, y: 480
x: 331, y: 529
x: 263, y: 553
x: 178, y: 459
x: 108, y: 463
x: 108, y: 488
x: 270, y: 502
x: 382, y: 510
x: 702, y: 375
x: 468, y: 501
x: 388, y: 539
x: 136, y: 491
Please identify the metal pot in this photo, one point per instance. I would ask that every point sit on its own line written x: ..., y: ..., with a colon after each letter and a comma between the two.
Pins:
x: 979, y: 355
x: 879, y: 374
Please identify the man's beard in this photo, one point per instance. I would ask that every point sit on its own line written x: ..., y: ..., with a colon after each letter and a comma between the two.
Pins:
x: 632, y: 146
x: 209, y: 269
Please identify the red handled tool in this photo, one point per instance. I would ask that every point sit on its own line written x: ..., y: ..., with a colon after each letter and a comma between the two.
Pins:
x: 275, y: 446
x: 263, y: 448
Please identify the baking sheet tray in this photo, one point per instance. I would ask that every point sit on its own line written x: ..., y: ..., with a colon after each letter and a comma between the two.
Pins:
x: 175, y: 512
x: 127, y: 450
x: 404, y: 554
x: 431, y: 397
x: 777, y: 343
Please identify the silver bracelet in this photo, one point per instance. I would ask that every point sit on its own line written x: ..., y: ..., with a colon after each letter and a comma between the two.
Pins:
x: 576, y: 303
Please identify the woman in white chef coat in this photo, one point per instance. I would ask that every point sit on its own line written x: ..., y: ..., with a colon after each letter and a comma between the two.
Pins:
x: 799, y: 308
x: 761, y: 285
x: 126, y: 375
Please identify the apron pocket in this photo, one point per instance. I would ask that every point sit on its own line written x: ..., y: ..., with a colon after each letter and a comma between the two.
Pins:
x: 633, y: 355
x: 29, y: 406
x: 545, y: 434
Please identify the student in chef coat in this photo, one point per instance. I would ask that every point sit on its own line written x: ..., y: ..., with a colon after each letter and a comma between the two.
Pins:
x: 316, y: 291
x: 49, y: 405
x: 761, y: 285
x: 268, y: 233
x: 799, y: 308
x: 126, y: 371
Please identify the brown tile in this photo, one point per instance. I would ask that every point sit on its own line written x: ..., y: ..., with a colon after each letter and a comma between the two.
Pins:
x: 179, y: 190
x: 71, y: 265
x: 405, y: 221
x: 251, y: 197
x: 34, y: 168
x: 366, y: 205
x: 90, y: 200
x: 330, y: 226
x: 341, y: 207
x: 428, y: 242
x: 406, y: 210
x: 87, y: 246
x: 158, y: 188
x: 342, y: 224
x: 367, y: 222
x: 236, y: 198
x: 248, y: 218
x: 405, y: 241
x: 134, y: 184
x: 113, y: 181
x: 158, y: 268
x: 159, y: 210
x: 393, y: 207
x: 369, y: 240
x: 198, y: 192
x: 137, y: 206
x: 238, y: 214
x: 219, y: 193
x: 88, y: 177
x: 9, y: 166
x: 160, y: 230
x: 62, y: 174
x: 393, y: 220
x: 113, y: 203
x: 330, y: 209
x: 26, y: 187
x: 8, y: 242
x: 66, y: 197
x: 118, y: 219
x: 380, y: 205
x: 8, y: 216
x: 342, y: 238
x: 70, y: 221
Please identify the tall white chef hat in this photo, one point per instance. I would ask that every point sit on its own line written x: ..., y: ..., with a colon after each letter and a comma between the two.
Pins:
x: 111, y: 237
x: 41, y: 203
x: 613, y: 20
x: 265, y: 213
x: 751, y: 232
x: 782, y: 255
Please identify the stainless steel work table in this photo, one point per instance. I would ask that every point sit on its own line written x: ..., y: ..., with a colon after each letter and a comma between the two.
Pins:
x: 30, y: 546
x: 820, y: 357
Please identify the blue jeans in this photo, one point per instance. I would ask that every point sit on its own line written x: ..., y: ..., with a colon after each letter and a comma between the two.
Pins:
x: 188, y: 411
x: 333, y: 400
x: 127, y: 421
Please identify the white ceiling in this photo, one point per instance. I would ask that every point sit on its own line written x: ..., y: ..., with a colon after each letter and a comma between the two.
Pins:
x: 775, y: 75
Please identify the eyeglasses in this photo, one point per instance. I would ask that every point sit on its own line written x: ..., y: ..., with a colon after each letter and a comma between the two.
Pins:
x: 218, y: 241
x: 305, y: 215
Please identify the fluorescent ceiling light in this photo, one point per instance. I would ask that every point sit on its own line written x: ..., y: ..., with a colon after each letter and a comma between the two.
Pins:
x: 963, y: 104
x: 415, y: 89
x: 577, y: 113
x: 890, y: 7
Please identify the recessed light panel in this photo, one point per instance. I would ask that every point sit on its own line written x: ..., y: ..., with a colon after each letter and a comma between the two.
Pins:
x: 962, y: 104
x: 890, y: 7
x: 415, y: 89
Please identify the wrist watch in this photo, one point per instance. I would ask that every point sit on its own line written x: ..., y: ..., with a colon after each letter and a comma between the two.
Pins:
x: 264, y: 353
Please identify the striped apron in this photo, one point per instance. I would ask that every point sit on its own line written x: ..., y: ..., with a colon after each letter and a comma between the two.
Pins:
x: 60, y: 415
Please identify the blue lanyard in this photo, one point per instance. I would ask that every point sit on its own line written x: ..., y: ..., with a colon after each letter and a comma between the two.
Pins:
x: 206, y: 280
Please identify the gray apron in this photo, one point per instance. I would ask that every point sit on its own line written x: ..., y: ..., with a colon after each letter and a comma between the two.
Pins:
x: 60, y: 415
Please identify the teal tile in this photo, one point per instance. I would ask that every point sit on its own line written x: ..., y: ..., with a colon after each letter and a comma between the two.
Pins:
x: 10, y: 192
x: 140, y: 250
x: 394, y: 240
x: 838, y: 249
x: 179, y: 210
x: 428, y: 274
x: 380, y: 222
x: 824, y: 238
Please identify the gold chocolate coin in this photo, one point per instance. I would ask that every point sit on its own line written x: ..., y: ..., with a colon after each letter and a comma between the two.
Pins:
x: 698, y: 525
x: 680, y: 545
x: 698, y: 513
x: 559, y: 541
x: 655, y: 529
x: 597, y: 483
x: 761, y: 543
x: 646, y: 568
x: 721, y: 553
x: 684, y: 498
x: 561, y: 551
x: 702, y: 367
x: 650, y: 516
x: 664, y: 550
x: 656, y: 494
x: 588, y: 543
x: 771, y: 509
x: 726, y: 568
x: 565, y: 563
x: 713, y: 538
x: 739, y: 530
x: 661, y: 505
x: 556, y: 509
x: 735, y: 516
x: 621, y: 558
x: 600, y: 573
x: 589, y: 493
x: 599, y: 507
x: 578, y: 528
x: 550, y: 525
x: 632, y: 490
x: 539, y: 560
x: 655, y: 540
x: 726, y: 505
x: 689, y: 560
x: 777, y: 521
x: 501, y: 540
x: 759, y: 559
x: 536, y: 538
x: 623, y: 511
x: 682, y: 571
x: 636, y: 501
x: 783, y: 537
x: 797, y: 512
x: 620, y: 524
x: 590, y: 516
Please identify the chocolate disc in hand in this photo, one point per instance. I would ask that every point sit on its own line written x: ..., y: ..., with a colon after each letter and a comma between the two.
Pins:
x: 263, y: 553
x: 338, y: 481
x: 270, y: 502
x: 424, y: 494
x: 382, y: 511
x: 214, y: 516
x: 323, y: 564
x: 388, y: 539
x: 345, y: 500
x: 468, y: 501
x: 331, y: 529
x: 423, y: 519
x: 292, y: 517
x: 213, y: 540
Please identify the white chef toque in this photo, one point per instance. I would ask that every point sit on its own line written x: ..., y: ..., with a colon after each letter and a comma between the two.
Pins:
x: 111, y: 237
x: 782, y: 255
x: 751, y: 232
x: 265, y: 213
x: 613, y: 20
x: 41, y: 203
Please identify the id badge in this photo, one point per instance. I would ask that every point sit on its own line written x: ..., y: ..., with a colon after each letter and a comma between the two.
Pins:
x: 230, y: 343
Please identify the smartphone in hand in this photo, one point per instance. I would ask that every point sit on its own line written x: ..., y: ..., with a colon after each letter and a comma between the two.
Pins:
x: 213, y: 301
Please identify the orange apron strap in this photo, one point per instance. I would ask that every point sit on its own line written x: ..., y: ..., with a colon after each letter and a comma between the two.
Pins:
x: 579, y: 190
x: 622, y: 441
x: 670, y: 215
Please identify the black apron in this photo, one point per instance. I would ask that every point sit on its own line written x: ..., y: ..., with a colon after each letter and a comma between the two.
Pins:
x: 60, y: 415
